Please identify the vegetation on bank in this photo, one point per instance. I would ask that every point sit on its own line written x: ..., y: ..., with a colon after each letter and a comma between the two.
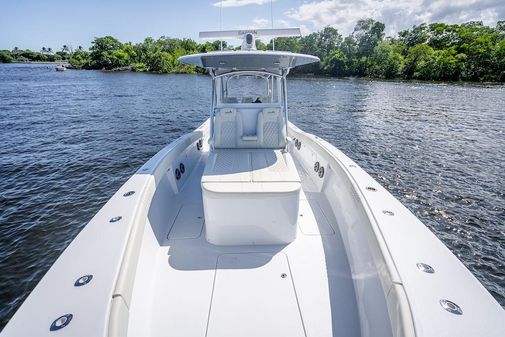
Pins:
x: 438, y: 51
x: 44, y: 55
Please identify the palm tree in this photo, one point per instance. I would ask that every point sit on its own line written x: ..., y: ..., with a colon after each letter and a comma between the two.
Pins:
x: 50, y: 50
x: 65, y: 48
x: 44, y: 50
x: 80, y: 48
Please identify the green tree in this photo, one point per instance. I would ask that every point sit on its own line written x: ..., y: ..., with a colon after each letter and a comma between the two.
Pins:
x: 145, y: 51
x: 478, y: 42
x: 448, y: 65
x: 368, y: 33
x: 105, y: 53
x: 180, y: 67
x: 33, y: 55
x: 80, y: 59
x: 419, y: 63
x: 337, y: 64
x: 260, y: 45
x: 292, y: 44
x: 217, y: 44
x: 499, y: 57
x: 327, y: 41
x: 130, y: 51
x: 442, y: 36
x: 6, y: 57
x: 385, y: 62
x: 415, y: 36
x: 53, y: 57
x: 349, y: 48
x: 162, y: 62
x: 208, y: 47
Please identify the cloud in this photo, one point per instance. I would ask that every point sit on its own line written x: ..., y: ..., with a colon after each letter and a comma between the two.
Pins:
x: 261, y: 23
x: 265, y: 23
x: 280, y: 23
x: 343, y: 14
x: 240, y: 3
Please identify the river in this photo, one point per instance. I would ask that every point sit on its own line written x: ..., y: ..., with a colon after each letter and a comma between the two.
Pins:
x: 70, y: 139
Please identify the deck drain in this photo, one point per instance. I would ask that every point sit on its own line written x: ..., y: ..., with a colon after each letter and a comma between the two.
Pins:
x: 390, y: 213
x: 61, y: 322
x: 425, y: 268
x: 451, y: 307
x: 83, y: 280
x: 316, y: 166
x: 115, y: 219
x: 129, y: 193
x: 283, y: 275
x: 371, y: 189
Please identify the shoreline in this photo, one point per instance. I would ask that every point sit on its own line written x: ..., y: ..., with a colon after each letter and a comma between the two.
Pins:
x: 39, y: 62
x: 292, y: 75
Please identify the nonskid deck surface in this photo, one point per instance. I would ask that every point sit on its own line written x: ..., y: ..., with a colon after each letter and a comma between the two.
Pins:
x: 198, y: 289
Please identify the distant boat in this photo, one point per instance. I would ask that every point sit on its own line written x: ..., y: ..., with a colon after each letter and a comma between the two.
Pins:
x: 61, y: 67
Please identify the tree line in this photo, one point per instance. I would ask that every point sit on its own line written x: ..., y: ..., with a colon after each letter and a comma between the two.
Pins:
x: 448, y: 52
x: 469, y: 52
x: 44, y: 55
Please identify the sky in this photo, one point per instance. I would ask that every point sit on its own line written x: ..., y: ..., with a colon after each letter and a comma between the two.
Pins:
x: 33, y: 24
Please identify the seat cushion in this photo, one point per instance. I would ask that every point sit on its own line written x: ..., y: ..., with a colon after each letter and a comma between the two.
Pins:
x: 228, y: 166
x: 252, y: 166
x: 228, y: 128
x: 271, y: 129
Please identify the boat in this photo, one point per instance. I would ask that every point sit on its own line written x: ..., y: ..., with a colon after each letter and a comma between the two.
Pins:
x: 61, y: 67
x: 249, y: 226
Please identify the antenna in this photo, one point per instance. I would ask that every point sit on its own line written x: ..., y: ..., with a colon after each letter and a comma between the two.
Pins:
x: 272, y: 21
x: 221, y: 23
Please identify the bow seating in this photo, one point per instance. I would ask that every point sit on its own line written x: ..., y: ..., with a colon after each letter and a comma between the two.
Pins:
x: 250, y: 184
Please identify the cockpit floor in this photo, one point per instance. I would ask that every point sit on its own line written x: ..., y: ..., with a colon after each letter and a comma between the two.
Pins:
x: 304, y: 288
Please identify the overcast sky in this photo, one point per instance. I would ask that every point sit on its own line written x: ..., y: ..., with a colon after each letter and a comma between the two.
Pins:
x: 51, y: 23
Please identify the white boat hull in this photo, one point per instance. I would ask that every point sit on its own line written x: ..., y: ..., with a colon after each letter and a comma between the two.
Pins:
x: 351, y: 271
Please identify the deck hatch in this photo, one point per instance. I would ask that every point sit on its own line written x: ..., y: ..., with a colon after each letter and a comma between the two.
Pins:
x: 251, y: 298
x: 188, y: 224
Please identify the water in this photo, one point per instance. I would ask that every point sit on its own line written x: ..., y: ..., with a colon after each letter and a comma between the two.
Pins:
x: 70, y: 139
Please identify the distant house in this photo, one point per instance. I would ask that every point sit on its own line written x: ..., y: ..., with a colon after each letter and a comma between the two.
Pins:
x: 22, y: 59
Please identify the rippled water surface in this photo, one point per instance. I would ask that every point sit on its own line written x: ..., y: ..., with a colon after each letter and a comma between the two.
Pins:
x: 69, y: 140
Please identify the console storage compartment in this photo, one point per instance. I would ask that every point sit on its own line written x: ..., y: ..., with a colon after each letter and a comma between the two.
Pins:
x: 250, y: 196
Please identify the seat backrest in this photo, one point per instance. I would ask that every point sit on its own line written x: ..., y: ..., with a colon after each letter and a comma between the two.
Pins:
x: 227, y: 128
x: 271, y: 129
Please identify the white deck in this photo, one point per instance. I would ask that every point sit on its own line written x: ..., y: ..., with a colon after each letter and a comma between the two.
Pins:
x: 188, y: 287
x: 353, y: 269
